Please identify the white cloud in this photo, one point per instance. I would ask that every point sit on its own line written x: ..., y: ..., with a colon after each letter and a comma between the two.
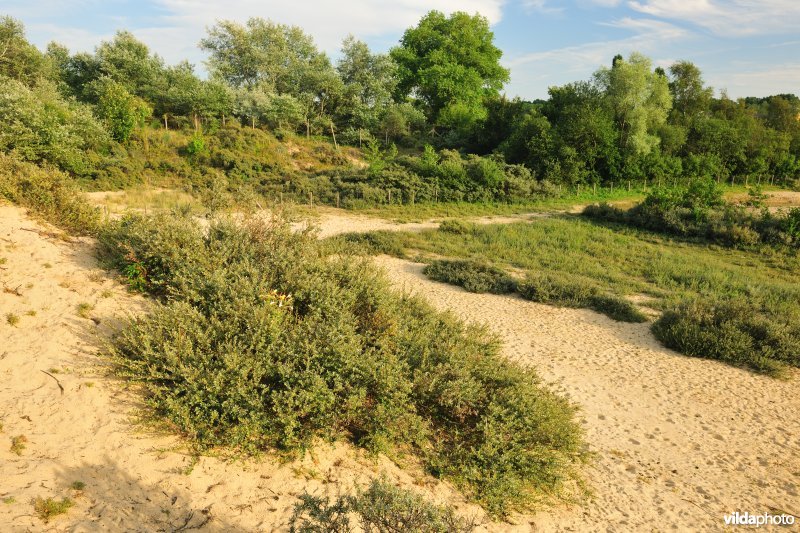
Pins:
x: 327, y: 21
x: 728, y: 17
x: 750, y: 80
x: 571, y: 63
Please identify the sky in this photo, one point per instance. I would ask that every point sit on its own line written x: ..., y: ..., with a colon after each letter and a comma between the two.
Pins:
x: 746, y: 47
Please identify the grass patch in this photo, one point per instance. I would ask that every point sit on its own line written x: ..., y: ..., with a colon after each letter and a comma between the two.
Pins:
x: 18, y: 444
x: 12, y: 319
x: 77, y: 485
x: 574, y: 262
x: 8, y: 500
x: 85, y: 309
x: 270, y: 339
x: 382, y: 507
x: 49, y: 508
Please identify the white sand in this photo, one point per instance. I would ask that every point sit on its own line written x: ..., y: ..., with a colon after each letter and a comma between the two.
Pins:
x: 679, y: 441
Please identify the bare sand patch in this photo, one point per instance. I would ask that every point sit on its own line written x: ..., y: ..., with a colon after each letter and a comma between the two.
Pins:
x: 680, y: 441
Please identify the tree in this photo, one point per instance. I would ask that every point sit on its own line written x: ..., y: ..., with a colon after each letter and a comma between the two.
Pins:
x: 640, y: 99
x: 450, y: 64
x: 128, y: 61
x: 121, y: 110
x: 690, y: 98
x: 19, y: 60
x: 369, y: 82
x: 39, y: 125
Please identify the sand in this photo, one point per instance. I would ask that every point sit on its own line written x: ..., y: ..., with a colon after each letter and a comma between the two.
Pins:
x: 678, y: 441
x: 135, y: 480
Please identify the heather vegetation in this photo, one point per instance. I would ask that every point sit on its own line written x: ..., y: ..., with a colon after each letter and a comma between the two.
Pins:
x: 739, y: 306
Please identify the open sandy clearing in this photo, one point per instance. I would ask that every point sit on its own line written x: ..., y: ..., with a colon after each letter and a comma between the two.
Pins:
x: 134, y: 481
x: 679, y: 441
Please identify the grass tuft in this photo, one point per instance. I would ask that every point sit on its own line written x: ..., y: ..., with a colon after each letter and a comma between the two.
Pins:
x: 49, y: 508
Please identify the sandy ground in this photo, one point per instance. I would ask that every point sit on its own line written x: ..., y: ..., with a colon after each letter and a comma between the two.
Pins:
x: 135, y: 480
x: 679, y: 441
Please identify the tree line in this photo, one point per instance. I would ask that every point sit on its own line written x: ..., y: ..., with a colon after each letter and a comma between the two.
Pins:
x: 440, y: 87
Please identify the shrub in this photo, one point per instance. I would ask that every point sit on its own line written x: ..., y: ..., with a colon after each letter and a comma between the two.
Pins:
x: 50, y: 507
x: 48, y: 193
x: 381, y: 508
x: 268, y: 339
x: 734, y: 331
x: 575, y: 292
x: 471, y: 275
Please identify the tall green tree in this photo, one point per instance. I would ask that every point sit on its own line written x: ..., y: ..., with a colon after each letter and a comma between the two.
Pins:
x: 640, y: 99
x: 369, y: 83
x: 121, y: 110
x: 19, y: 59
x: 690, y: 97
x: 450, y: 65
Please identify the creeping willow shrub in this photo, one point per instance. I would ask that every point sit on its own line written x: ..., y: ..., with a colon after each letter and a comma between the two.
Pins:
x: 471, y: 275
x: 266, y: 338
x: 736, y: 331
x: 381, y: 507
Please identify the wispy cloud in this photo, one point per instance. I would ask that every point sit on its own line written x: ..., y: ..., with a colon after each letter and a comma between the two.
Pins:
x: 728, y: 18
x: 571, y: 63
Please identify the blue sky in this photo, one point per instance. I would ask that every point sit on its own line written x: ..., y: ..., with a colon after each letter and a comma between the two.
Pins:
x: 748, y: 47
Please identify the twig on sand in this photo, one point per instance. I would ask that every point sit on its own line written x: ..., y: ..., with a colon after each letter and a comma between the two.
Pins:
x: 60, y: 386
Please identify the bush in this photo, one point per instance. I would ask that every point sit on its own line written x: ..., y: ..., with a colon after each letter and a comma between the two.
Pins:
x: 735, y: 331
x: 381, y: 508
x: 268, y: 339
x: 471, y: 275
x: 48, y: 193
x: 575, y: 292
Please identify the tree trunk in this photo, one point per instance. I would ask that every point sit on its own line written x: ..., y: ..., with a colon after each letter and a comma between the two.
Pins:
x: 333, y: 134
x: 166, y: 126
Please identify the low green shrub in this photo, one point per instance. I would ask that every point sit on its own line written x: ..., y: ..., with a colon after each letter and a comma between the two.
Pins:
x: 376, y: 242
x: 735, y: 331
x: 48, y: 193
x: 471, y: 275
x: 267, y: 338
x: 575, y: 292
x: 381, y: 508
x: 698, y: 211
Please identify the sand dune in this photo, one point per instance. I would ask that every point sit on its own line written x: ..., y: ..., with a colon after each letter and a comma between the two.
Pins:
x: 679, y: 441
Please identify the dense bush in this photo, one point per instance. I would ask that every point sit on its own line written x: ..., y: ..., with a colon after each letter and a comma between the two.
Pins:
x: 698, y: 211
x: 48, y: 193
x: 267, y: 338
x: 574, y: 292
x: 750, y: 334
x: 382, y: 508
x: 471, y: 275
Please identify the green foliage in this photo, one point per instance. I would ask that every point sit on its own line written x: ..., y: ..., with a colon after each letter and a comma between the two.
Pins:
x: 471, y: 275
x: 122, y: 111
x: 268, y: 338
x: 49, y: 508
x: 699, y: 211
x: 762, y: 336
x: 40, y: 126
x: 451, y: 64
x: 381, y: 508
x: 48, y: 193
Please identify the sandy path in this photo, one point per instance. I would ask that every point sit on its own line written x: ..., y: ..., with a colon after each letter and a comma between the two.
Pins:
x: 135, y: 481
x: 679, y: 441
